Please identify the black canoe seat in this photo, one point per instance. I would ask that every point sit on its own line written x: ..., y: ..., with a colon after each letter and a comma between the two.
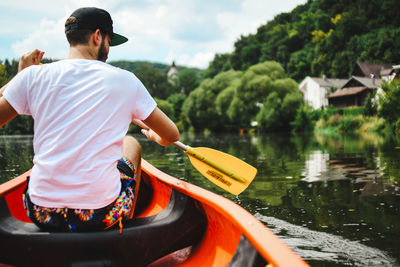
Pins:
x: 246, y: 255
x: 142, y: 241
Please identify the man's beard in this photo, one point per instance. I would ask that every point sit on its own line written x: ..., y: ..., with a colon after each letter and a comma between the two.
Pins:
x: 102, y: 55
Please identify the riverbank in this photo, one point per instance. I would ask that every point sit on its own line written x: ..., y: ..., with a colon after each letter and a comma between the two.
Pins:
x: 380, y: 115
x: 350, y: 124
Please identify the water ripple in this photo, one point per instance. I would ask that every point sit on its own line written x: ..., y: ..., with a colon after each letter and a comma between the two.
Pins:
x: 319, y: 246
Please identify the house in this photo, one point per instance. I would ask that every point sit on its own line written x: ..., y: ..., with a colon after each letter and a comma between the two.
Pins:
x: 172, y: 74
x: 315, y: 90
x: 366, y: 78
x: 173, y: 71
x: 354, y: 91
x: 363, y: 69
x: 390, y: 74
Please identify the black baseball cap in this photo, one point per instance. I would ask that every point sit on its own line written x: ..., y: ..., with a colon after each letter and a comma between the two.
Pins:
x: 92, y: 18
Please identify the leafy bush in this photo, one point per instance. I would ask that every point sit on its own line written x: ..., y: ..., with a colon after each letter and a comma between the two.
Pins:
x: 389, y: 102
x: 334, y: 120
x: 320, y: 37
x: 20, y: 125
x: 370, y: 105
x: 303, y: 121
x: 353, y: 111
x: 278, y: 113
x: 233, y: 99
x: 350, y: 124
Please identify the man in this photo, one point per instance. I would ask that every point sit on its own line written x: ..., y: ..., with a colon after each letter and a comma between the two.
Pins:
x: 82, y: 109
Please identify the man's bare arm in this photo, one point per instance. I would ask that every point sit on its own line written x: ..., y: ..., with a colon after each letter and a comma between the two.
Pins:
x: 162, y: 129
x: 7, y: 112
x: 3, y: 89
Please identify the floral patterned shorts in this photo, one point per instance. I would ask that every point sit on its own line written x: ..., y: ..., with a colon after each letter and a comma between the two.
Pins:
x: 82, y: 220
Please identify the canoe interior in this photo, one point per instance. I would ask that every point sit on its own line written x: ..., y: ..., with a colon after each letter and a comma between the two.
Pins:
x: 167, y: 222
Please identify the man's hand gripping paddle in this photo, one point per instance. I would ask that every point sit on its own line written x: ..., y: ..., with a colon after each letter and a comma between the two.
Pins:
x: 224, y: 170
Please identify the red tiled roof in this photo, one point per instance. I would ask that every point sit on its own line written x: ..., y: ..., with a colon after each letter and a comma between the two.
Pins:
x: 347, y: 91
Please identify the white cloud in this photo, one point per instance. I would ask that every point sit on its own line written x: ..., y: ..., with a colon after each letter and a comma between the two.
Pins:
x: 38, y: 6
x: 160, y: 30
x: 201, y: 59
x: 49, y: 37
x: 189, y: 32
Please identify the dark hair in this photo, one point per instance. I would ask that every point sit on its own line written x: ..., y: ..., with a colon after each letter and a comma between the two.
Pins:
x: 76, y: 36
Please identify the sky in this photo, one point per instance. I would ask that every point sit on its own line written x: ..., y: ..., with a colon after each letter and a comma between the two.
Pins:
x: 189, y: 32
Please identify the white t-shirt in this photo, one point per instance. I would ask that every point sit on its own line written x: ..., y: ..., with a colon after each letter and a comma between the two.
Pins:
x: 81, y: 110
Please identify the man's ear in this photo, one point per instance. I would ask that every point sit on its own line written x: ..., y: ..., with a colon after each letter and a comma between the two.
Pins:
x: 97, y: 37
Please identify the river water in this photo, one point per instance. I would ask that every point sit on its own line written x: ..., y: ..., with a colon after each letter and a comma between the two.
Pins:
x: 335, y: 201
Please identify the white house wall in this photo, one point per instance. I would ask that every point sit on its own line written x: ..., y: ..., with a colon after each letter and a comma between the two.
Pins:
x: 314, y: 94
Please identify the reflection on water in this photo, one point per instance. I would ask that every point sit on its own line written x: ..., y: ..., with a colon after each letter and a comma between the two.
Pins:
x: 316, y: 167
x: 335, y: 201
x: 16, y: 154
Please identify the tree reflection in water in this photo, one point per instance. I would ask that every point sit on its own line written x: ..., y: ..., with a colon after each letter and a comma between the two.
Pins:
x: 345, y: 188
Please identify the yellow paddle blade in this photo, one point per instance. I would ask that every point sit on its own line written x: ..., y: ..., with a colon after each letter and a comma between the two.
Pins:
x: 224, y: 170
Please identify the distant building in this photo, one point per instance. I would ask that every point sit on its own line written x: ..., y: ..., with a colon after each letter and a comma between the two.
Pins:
x: 363, y: 69
x: 315, y: 90
x: 354, y: 91
x: 173, y: 74
x: 390, y: 74
x: 173, y: 71
x: 366, y: 78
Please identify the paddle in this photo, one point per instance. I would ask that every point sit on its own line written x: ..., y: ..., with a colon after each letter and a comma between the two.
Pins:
x: 224, y: 170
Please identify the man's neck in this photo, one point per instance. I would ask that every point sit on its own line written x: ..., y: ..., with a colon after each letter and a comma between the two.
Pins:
x: 81, y: 52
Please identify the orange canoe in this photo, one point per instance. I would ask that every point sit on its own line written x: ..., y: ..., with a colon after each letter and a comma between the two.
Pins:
x: 176, y: 224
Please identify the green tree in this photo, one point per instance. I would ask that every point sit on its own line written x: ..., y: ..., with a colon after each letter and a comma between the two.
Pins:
x: 236, y: 114
x: 165, y: 106
x: 223, y: 103
x: 155, y: 81
x: 19, y: 125
x: 176, y: 100
x: 11, y: 68
x: 3, y: 75
x: 256, y: 83
x: 267, y: 117
x: 232, y: 99
x: 220, y: 63
x: 389, y: 104
x: 278, y: 113
x: 304, y: 120
x: 200, y: 107
x: 299, y: 65
x: 188, y: 80
x: 247, y: 52
x: 321, y: 37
